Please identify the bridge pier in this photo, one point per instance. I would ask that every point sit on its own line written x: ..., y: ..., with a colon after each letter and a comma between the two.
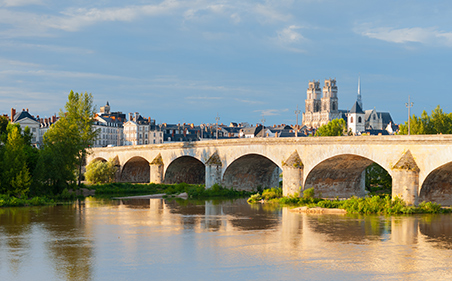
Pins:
x: 156, y: 170
x: 405, y: 179
x: 213, y: 170
x: 292, y: 175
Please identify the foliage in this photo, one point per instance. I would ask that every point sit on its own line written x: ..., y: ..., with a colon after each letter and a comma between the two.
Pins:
x: 336, y: 127
x: 11, y: 201
x: 308, y: 193
x: 15, y: 177
x: 378, y: 179
x: 437, y: 123
x: 382, y: 205
x: 65, y: 143
x: 101, y: 172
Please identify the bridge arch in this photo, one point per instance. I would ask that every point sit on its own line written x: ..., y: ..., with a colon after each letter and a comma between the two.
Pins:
x: 135, y: 170
x: 251, y: 171
x: 340, y: 175
x: 437, y: 186
x: 102, y: 159
x: 186, y: 169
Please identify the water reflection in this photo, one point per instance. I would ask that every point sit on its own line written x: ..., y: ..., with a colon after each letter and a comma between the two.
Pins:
x: 171, y: 239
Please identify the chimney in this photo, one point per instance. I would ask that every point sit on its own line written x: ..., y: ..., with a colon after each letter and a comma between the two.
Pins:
x: 130, y: 116
x: 27, y: 109
x: 13, y: 112
x: 149, y: 119
x: 137, y: 116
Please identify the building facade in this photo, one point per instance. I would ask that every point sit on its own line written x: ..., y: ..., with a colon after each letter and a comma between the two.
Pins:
x: 321, y: 105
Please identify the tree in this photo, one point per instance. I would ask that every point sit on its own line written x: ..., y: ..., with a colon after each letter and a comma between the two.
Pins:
x: 101, y: 172
x: 14, y: 172
x: 65, y: 144
x: 80, y: 111
x: 336, y: 127
x: 438, y: 123
x: 377, y: 178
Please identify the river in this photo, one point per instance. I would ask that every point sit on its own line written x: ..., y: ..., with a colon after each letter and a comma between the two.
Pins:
x: 217, y: 240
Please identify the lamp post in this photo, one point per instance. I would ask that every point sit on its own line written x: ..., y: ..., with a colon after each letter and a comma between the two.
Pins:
x: 409, y: 105
x: 263, y: 126
x: 217, y: 119
x: 202, y: 129
x: 296, y: 128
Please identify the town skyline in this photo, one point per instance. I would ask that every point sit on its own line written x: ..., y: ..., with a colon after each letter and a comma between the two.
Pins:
x: 186, y: 62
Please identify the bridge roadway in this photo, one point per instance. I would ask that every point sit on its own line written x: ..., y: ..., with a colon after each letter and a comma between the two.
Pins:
x: 420, y: 166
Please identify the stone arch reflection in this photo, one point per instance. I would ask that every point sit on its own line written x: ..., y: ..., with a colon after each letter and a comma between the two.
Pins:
x: 185, y: 169
x: 250, y: 172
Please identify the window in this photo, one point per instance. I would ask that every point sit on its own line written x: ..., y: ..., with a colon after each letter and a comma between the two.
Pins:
x: 359, y: 119
x: 351, y: 119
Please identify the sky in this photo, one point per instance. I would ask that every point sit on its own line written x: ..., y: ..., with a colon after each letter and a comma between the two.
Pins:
x: 188, y: 61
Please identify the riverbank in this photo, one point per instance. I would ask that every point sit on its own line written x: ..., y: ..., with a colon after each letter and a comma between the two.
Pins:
x: 382, y: 205
x: 129, y: 190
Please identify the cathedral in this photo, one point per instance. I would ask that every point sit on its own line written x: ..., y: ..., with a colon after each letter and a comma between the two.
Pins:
x: 322, y: 106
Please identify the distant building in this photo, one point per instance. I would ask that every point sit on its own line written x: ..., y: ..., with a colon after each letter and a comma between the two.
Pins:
x: 25, y: 119
x: 139, y: 131
x: 109, y: 126
x: 321, y: 106
x: 369, y: 121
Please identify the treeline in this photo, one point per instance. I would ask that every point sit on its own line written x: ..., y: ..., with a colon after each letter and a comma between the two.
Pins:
x: 438, y: 122
x: 26, y: 171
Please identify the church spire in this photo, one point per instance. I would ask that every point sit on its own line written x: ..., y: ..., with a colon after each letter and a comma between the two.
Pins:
x: 358, y: 99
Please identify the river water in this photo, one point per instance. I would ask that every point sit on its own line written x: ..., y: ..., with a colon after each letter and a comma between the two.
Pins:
x: 217, y: 240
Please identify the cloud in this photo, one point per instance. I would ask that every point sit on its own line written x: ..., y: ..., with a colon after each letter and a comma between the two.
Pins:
x: 289, y: 34
x: 203, y: 98
x: 16, y: 3
x: 271, y: 112
x: 250, y: 101
x: 430, y: 36
x: 73, y: 19
x: 269, y: 14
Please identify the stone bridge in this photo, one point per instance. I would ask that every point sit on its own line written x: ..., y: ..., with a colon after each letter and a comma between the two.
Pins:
x: 420, y: 166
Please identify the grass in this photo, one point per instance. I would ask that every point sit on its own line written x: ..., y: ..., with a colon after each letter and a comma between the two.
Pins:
x: 11, y: 201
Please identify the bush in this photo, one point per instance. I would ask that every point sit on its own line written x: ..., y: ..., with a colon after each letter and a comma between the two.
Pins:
x: 100, y: 172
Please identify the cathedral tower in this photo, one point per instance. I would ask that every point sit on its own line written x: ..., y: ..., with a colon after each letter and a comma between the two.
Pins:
x: 313, y: 97
x: 329, y: 99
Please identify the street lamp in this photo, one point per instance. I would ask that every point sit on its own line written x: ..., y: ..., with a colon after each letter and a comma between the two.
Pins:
x: 217, y: 119
x: 296, y: 128
x: 409, y: 105
x: 202, y: 129
x: 263, y: 126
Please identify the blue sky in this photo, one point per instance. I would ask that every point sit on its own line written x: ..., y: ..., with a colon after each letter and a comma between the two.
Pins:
x: 186, y: 61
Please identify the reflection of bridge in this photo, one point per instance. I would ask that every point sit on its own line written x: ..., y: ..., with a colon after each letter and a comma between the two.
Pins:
x: 420, y: 166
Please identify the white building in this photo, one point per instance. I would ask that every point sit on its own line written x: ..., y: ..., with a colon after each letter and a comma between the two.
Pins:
x: 139, y: 131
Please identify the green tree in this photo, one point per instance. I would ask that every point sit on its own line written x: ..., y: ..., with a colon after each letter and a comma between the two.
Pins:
x: 336, y: 127
x: 378, y: 178
x: 15, y: 174
x: 3, y: 124
x: 80, y: 111
x: 437, y: 123
x: 65, y: 144
x: 101, y: 172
